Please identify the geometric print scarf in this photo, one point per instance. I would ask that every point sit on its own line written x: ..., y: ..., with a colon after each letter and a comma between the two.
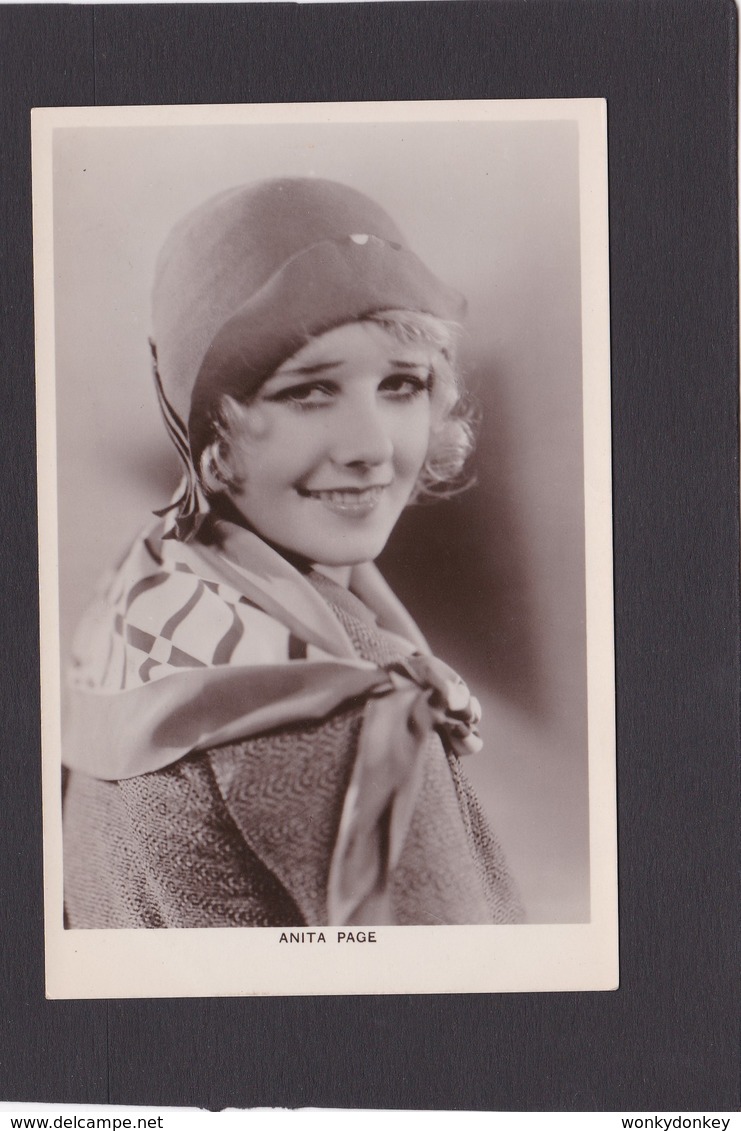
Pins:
x: 157, y: 615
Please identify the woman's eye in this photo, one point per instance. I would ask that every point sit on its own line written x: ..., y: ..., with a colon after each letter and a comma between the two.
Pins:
x: 404, y: 386
x: 305, y: 396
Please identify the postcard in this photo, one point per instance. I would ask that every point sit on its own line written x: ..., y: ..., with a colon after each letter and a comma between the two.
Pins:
x: 325, y: 539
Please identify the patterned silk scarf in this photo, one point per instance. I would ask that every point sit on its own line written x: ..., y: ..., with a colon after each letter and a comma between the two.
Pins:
x: 190, y: 646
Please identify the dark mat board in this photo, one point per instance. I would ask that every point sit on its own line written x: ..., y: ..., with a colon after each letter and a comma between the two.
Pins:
x: 668, y: 1039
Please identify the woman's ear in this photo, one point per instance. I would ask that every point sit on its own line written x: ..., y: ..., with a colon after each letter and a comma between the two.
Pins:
x: 214, y: 468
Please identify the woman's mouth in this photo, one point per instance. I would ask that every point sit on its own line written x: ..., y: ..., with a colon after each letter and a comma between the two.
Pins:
x: 347, y: 500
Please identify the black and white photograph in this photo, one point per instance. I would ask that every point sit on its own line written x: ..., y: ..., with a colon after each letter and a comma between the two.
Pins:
x: 325, y: 528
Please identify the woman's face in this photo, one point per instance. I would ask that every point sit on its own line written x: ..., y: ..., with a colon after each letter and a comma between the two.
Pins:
x: 333, y: 444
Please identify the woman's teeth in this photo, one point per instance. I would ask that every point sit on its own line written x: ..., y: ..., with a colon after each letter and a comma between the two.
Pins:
x: 352, y: 501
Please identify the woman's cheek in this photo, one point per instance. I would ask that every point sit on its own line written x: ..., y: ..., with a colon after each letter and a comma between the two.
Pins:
x: 415, y: 435
x: 257, y: 422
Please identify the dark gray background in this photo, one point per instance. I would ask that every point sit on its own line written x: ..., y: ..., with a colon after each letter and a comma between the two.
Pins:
x: 669, y: 1037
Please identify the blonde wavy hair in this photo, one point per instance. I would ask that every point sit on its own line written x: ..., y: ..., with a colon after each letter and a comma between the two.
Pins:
x: 452, y: 437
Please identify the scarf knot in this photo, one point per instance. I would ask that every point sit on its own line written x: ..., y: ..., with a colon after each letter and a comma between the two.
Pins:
x: 446, y: 705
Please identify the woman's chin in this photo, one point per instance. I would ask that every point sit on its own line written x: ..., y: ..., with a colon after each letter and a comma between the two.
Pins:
x: 337, y: 552
x: 365, y: 552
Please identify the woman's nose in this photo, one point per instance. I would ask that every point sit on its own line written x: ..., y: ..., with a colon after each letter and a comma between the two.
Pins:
x: 362, y: 436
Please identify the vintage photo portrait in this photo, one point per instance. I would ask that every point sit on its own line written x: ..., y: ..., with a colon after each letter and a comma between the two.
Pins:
x: 325, y: 530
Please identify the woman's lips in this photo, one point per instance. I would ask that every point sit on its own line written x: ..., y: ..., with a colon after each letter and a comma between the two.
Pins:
x: 347, y: 500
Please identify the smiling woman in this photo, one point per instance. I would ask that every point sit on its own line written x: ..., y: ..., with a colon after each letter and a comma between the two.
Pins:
x: 259, y: 735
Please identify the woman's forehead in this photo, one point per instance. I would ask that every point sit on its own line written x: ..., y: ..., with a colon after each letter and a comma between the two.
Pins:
x: 357, y: 342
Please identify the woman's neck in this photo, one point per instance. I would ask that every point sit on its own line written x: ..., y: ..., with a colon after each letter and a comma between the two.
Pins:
x: 339, y: 574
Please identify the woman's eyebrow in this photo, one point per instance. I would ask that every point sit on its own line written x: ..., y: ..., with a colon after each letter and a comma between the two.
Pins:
x: 308, y: 370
